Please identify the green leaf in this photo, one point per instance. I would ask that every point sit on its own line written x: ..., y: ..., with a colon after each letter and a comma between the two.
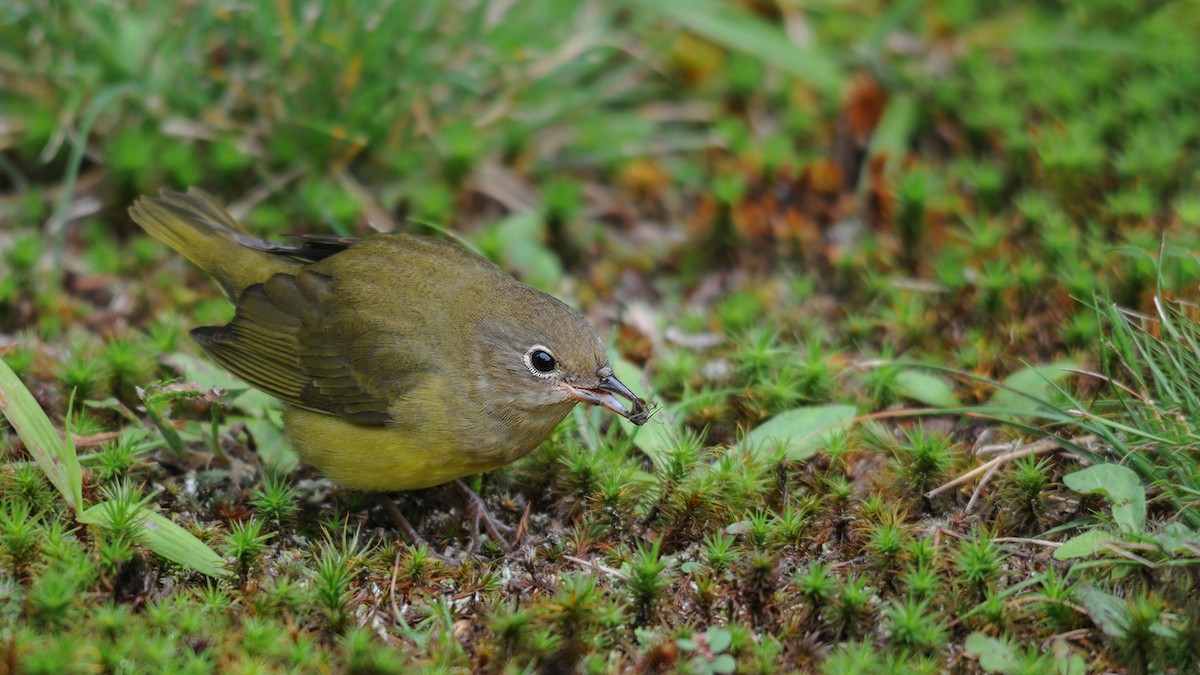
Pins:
x: 659, y: 434
x: 929, y: 389
x: 1177, y: 539
x: 54, y: 454
x: 272, y: 445
x: 1025, y: 389
x: 718, y: 639
x: 1085, y: 545
x: 893, y: 134
x: 164, y: 537
x: 1066, y: 661
x: 723, y: 663
x: 995, y: 656
x: 741, y: 31
x: 800, y: 431
x: 522, y: 250
x: 1107, y: 610
x: 1120, y: 486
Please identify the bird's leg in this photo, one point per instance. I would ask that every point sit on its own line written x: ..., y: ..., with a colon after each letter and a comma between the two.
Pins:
x: 400, y: 521
x: 478, y: 512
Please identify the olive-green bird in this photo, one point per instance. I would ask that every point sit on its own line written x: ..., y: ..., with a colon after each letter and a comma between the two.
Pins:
x: 404, y: 361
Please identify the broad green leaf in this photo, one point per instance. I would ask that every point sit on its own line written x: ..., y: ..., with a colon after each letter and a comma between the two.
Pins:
x: 1026, y: 387
x: 1067, y: 661
x: 660, y: 433
x: 54, y: 454
x: 272, y: 445
x: 1107, y: 610
x: 800, y: 431
x: 522, y: 250
x: 723, y: 663
x: 718, y: 639
x: 1084, y: 545
x: 1177, y: 539
x: 929, y: 389
x: 736, y: 29
x: 1120, y: 486
x: 164, y: 537
x: 995, y: 655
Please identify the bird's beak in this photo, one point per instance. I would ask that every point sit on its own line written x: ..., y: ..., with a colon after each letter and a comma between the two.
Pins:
x: 605, y: 394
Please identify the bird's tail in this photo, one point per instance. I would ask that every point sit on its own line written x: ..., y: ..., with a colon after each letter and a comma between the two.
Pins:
x: 196, y: 225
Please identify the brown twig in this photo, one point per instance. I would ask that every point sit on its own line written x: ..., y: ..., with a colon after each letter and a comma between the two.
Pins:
x: 1037, y: 448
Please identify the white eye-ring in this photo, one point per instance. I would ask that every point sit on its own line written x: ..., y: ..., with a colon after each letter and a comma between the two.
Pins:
x: 540, y: 361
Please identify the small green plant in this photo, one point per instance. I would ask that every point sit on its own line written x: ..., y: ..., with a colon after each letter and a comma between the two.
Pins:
x: 795, y: 519
x: 719, y: 551
x: 129, y: 362
x: 885, y: 544
x: 263, y: 637
x: 116, y: 458
x: 978, y: 561
x: 1141, y: 632
x: 649, y: 578
x: 816, y: 585
x: 922, y: 459
x: 853, y: 658
x: 881, y: 384
x: 850, y: 607
x: 1023, y: 492
x: 993, y: 610
x: 512, y: 626
x: 920, y: 580
x: 331, y: 583
x: 123, y: 507
x: 759, y: 528
x: 759, y: 577
x: 83, y: 375
x: 245, y: 544
x: 283, y: 593
x: 55, y: 594
x: 276, y: 499
x: 83, y: 423
x: 114, y: 551
x: 1053, y: 602
x: 912, y: 625
x: 29, y: 483
x: 417, y: 562
x: 165, y: 332
x: 575, y: 609
x: 19, y: 535
x: 362, y: 652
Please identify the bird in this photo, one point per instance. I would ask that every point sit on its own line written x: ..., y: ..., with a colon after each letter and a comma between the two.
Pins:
x: 402, y: 361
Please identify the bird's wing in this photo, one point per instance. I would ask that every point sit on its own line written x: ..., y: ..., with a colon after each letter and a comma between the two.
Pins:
x: 303, y: 247
x: 292, y: 340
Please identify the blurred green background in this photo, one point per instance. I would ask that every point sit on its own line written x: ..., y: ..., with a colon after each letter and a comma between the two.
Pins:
x: 758, y: 201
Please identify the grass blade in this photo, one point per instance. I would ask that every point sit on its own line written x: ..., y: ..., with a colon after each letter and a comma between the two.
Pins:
x: 161, y: 535
x: 54, y: 454
x: 745, y: 33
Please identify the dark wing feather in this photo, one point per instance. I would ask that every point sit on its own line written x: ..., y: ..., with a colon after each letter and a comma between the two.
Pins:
x: 305, y: 247
x: 284, y: 341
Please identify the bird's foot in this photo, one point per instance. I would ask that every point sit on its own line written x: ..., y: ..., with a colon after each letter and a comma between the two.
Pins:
x: 478, y: 513
x: 414, y: 537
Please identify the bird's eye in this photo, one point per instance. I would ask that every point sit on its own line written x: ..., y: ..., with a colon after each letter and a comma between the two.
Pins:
x: 540, y: 361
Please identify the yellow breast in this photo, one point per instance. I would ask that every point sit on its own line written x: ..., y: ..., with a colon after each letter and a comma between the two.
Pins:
x: 387, y: 459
